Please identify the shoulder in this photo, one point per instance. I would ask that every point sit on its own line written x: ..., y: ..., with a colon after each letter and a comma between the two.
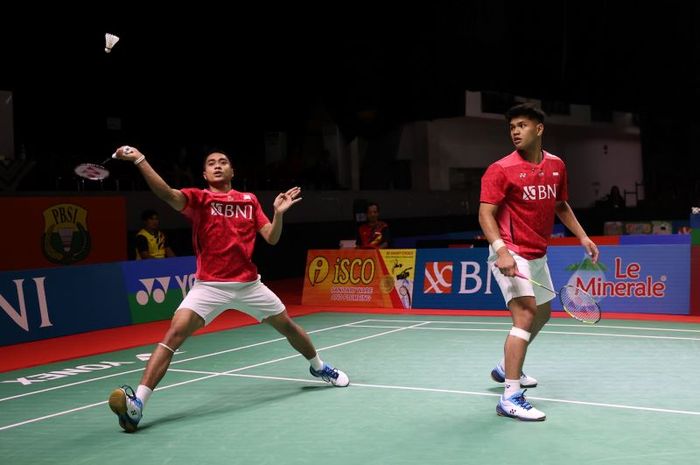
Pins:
x: 553, y: 158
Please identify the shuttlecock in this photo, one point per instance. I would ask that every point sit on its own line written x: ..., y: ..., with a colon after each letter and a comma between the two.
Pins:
x: 110, y: 41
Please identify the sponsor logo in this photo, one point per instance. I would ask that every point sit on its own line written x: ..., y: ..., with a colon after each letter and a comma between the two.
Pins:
x: 20, y: 317
x: 66, y: 239
x: 64, y: 373
x: 438, y: 278
x: 230, y: 210
x: 158, y: 293
x: 318, y: 270
x: 540, y: 192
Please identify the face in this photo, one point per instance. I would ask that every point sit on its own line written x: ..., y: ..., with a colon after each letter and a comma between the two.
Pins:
x: 372, y: 213
x: 153, y: 223
x: 525, y: 133
x: 217, y: 169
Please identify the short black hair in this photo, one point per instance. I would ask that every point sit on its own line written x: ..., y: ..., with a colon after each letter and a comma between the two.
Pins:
x: 209, y: 152
x: 373, y: 204
x: 528, y: 110
x: 148, y: 214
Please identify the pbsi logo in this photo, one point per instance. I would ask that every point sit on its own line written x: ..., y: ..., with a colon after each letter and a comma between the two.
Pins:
x: 66, y: 239
x: 540, y: 192
x: 157, y: 288
x: 438, y: 278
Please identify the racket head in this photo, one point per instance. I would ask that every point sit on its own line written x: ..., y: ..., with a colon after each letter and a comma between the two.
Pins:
x: 579, y: 304
x: 91, y: 171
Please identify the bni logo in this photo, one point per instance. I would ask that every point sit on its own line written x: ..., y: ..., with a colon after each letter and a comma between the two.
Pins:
x: 438, y: 278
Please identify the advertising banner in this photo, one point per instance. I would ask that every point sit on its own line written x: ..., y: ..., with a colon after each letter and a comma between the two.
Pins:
x: 57, y: 231
x: 155, y: 288
x: 360, y: 278
x: 39, y: 304
x: 633, y: 278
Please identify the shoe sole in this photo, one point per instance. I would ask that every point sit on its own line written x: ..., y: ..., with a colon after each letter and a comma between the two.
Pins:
x: 498, y: 379
x: 502, y: 413
x: 117, y: 402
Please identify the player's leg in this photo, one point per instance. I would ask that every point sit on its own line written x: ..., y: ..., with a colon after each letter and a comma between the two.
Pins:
x: 513, y: 288
x: 200, y: 306
x: 540, y: 273
x: 300, y: 340
x: 512, y: 403
x: 258, y: 301
x: 127, y: 404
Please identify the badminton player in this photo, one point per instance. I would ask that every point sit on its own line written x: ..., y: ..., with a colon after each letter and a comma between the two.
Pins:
x: 520, y: 194
x: 225, y: 223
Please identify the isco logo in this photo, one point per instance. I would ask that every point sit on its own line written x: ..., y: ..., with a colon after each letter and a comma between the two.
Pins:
x: 438, y: 278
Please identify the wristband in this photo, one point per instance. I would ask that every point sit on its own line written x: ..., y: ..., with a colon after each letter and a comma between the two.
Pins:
x: 497, y: 244
x: 139, y: 159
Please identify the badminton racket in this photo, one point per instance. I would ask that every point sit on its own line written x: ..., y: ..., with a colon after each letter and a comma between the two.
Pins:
x: 96, y: 171
x: 578, y: 303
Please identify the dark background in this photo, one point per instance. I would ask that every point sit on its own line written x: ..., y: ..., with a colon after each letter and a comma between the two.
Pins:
x: 203, y: 77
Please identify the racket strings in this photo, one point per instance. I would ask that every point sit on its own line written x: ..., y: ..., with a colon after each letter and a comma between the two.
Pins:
x: 580, y: 304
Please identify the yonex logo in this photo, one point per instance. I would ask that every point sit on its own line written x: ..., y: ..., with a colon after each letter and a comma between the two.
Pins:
x: 540, y: 192
x: 438, y: 278
x: 158, y: 288
x: 158, y: 294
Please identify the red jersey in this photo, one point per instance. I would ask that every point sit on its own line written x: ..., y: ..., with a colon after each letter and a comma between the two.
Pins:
x: 224, y: 227
x: 372, y: 236
x: 526, y: 194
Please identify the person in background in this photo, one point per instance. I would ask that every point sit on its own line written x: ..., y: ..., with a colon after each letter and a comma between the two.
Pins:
x: 374, y: 234
x: 150, y: 240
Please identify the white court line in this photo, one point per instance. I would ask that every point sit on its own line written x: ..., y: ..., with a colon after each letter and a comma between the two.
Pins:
x: 172, y: 363
x: 562, y: 325
x: 213, y: 375
x: 634, y: 336
x: 454, y: 391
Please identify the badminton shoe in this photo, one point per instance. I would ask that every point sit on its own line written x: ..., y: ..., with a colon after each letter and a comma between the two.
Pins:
x: 331, y: 375
x: 517, y: 407
x: 498, y: 374
x: 127, y: 407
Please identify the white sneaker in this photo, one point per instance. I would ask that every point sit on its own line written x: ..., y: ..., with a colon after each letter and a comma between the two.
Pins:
x: 498, y: 374
x: 517, y: 407
x: 127, y: 407
x: 331, y: 375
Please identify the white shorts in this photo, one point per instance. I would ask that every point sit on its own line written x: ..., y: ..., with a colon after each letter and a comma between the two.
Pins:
x: 518, y: 287
x: 209, y: 299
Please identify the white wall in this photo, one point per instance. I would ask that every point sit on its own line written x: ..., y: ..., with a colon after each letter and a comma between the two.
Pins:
x: 470, y: 142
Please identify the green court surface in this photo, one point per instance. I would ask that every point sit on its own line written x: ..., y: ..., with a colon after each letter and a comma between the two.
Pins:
x: 620, y: 392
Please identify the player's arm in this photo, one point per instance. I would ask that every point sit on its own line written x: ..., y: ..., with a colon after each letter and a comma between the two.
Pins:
x: 271, y: 232
x: 487, y: 220
x: 568, y: 218
x: 163, y: 191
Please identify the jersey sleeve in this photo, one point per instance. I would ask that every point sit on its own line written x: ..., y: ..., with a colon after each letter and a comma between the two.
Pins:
x: 493, y: 185
x: 259, y: 215
x: 564, y: 186
x: 194, y: 199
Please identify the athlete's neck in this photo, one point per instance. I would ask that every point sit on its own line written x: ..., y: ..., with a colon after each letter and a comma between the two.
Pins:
x: 533, y: 156
x: 220, y: 188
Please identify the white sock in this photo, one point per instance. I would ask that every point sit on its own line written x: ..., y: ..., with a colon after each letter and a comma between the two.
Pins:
x: 511, y: 387
x: 144, y: 393
x: 316, y: 363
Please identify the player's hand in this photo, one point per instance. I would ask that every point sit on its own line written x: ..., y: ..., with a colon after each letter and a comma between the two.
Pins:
x: 591, y: 248
x: 285, y: 200
x: 126, y: 152
x: 506, y: 264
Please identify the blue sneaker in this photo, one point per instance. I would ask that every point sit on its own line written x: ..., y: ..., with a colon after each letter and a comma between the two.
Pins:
x: 498, y: 374
x: 331, y: 375
x: 517, y: 407
x: 127, y: 406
